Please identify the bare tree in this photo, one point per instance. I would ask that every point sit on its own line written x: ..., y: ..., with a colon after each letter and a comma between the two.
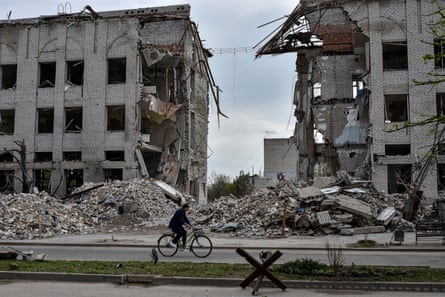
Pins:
x: 20, y: 158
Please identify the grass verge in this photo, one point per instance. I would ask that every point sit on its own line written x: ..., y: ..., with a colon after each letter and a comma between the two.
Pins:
x: 221, y: 270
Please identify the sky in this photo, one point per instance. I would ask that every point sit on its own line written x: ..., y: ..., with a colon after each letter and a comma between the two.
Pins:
x: 257, y: 94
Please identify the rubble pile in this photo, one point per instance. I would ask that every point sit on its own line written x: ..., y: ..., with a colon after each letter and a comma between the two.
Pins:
x: 27, y: 216
x: 340, y: 207
x: 308, y: 210
x: 125, y: 205
x: 117, y: 206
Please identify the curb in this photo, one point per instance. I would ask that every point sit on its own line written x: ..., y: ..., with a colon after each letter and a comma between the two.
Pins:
x: 386, y: 249
x: 222, y: 282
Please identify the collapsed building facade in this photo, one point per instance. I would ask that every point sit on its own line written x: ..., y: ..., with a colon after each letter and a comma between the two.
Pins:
x: 356, y: 65
x: 95, y: 96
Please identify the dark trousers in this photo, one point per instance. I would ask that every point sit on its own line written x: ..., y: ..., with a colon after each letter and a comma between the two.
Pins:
x: 180, y: 232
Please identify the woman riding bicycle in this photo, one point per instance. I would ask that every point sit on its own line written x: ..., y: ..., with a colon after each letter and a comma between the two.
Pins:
x: 177, y: 224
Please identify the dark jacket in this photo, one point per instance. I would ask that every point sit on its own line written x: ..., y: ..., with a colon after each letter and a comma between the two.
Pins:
x: 179, y: 219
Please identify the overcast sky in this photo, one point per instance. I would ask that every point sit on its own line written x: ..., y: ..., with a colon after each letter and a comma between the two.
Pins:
x: 256, y: 94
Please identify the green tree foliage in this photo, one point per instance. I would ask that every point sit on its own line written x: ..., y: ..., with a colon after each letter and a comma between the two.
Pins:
x: 242, y: 185
x: 219, y: 187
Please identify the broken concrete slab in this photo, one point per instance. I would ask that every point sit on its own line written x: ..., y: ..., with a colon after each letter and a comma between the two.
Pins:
x: 386, y: 215
x: 353, y: 205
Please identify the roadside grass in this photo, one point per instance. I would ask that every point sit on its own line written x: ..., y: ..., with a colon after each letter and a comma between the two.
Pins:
x: 223, y: 270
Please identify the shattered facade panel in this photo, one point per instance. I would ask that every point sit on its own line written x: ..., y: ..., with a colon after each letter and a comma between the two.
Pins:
x: 355, y: 82
x: 132, y: 81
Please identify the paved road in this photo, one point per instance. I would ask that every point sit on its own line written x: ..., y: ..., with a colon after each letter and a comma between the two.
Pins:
x: 69, y: 289
x: 368, y: 257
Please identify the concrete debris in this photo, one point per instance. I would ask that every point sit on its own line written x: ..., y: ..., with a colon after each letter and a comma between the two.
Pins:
x: 306, y: 210
x: 117, y: 206
x: 283, y: 209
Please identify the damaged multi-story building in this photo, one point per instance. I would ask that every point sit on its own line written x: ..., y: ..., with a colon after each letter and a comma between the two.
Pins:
x: 96, y: 96
x: 357, y: 63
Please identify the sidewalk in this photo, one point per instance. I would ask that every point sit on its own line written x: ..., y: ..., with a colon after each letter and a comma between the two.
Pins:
x: 224, y: 240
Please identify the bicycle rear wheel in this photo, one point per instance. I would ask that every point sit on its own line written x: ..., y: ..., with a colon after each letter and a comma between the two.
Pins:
x: 201, y: 246
x: 164, y: 245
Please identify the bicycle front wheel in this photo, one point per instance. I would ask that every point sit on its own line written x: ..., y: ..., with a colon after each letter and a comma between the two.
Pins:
x: 165, y: 245
x: 201, y: 246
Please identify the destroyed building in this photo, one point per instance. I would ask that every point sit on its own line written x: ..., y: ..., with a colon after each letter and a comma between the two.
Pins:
x: 356, y: 65
x: 111, y: 95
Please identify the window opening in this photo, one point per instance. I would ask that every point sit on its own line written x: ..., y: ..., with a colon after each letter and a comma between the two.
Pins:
x: 43, y: 157
x: 441, y: 177
x: 47, y: 75
x: 42, y: 179
x: 73, y: 119
x: 441, y: 149
x: 6, y: 157
x: 117, y: 69
x: 72, y: 156
x: 114, y: 156
x: 146, y: 124
x: 152, y: 161
x: 357, y: 86
x: 73, y: 178
x: 7, y: 181
x: 396, y: 108
x: 74, y: 73
x: 439, y: 53
x: 397, y: 149
x: 9, y: 76
x: 440, y: 104
x: 398, y: 177
x: 45, y: 120
x: 116, y: 118
x: 113, y: 174
x: 395, y: 55
x: 7, y: 120
x: 316, y: 91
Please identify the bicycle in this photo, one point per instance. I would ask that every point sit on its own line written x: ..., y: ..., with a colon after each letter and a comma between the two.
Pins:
x: 199, y: 244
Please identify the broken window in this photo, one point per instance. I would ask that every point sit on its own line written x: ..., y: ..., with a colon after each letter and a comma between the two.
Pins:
x: 397, y: 149
x: 193, y: 141
x: 73, y: 178
x: 152, y: 161
x: 42, y: 179
x: 441, y: 177
x: 441, y: 148
x: 113, y: 174
x: 72, y: 156
x: 395, y: 55
x: 43, y: 157
x: 47, y: 75
x: 146, y: 124
x: 6, y: 157
x: 439, y: 53
x: 6, y: 181
x: 114, y: 156
x: 396, y: 108
x: 45, y: 120
x: 357, y: 88
x: 74, y: 72
x: 7, y: 120
x: 73, y: 119
x: 316, y: 90
x: 399, y: 176
x: 116, y: 118
x: 9, y: 76
x: 440, y: 104
x: 117, y: 69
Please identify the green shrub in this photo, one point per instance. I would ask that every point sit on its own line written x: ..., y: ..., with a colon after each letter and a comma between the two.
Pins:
x: 304, y: 267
